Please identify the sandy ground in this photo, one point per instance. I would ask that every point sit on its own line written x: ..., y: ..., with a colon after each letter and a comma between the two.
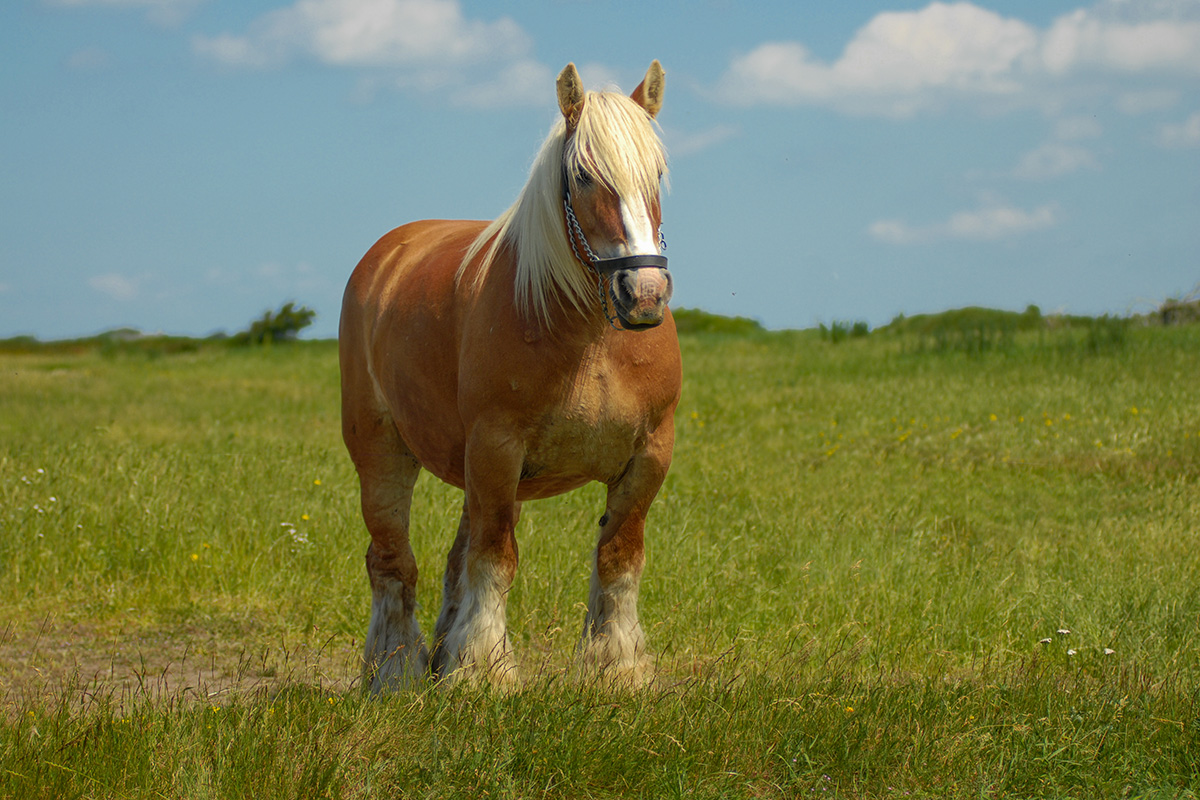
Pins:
x: 52, y: 660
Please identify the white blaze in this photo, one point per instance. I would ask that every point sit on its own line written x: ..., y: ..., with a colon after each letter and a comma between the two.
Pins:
x: 639, y: 230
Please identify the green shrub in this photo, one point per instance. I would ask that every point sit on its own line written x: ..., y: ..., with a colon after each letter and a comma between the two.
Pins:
x: 278, y: 327
x: 839, y: 330
x: 1175, y: 311
x: 693, y: 320
x: 1105, y: 334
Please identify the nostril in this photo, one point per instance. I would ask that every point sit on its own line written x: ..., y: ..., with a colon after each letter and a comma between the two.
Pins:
x: 627, y: 286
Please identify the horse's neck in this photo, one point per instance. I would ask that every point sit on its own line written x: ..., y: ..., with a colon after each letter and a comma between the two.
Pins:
x: 573, y: 329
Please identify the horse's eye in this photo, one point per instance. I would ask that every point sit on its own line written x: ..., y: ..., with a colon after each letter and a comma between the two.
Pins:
x: 583, y: 178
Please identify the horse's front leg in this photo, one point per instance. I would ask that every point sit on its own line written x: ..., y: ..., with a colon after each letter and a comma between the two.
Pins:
x: 475, y: 642
x: 612, y: 636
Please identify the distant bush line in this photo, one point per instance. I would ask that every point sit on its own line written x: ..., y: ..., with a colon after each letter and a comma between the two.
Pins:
x: 693, y: 320
x: 972, y: 331
x: 273, y: 326
x: 975, y: 330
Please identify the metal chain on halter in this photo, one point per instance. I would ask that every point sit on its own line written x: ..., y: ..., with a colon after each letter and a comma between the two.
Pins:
x: 574, y: 231
x: 577, y: 233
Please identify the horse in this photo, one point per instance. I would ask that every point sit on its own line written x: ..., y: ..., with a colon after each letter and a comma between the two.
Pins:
x: 516, y: 360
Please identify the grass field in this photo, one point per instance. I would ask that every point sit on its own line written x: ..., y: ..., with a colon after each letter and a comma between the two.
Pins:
x: 877, y: 569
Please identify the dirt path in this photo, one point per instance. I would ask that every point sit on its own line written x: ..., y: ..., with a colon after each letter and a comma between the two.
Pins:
x: 86, y: 664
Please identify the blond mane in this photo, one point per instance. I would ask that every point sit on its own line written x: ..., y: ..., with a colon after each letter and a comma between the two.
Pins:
x: 615, y: 143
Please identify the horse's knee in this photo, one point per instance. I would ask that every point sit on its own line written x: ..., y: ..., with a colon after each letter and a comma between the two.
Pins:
x: 620, y: 550
x: 393, y: 566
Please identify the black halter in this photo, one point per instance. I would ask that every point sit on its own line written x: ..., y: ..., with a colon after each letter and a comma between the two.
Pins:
x: 604, y: 267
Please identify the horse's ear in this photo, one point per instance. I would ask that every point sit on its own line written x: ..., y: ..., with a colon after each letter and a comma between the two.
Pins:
x: 570, y: 94
x: 649, y: 93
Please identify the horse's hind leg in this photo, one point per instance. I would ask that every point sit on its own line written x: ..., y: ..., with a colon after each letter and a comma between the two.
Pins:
x: 394, y: 654
x: 452, y: 591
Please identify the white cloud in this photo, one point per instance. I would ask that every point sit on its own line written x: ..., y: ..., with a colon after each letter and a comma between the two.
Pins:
x: 429, y: 45
x: 1183, y: 134
x: 1143, y: 10
x: 902, y: 62
x: 369, y: 33
x: 1054, y: 159
x: 1063, y: 154
x: 989, y: 224
x: 892, y: 64
x: 118, y: 287
x: 1084, y: 39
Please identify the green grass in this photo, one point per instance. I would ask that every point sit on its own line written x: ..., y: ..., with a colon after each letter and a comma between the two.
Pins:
x: 849, y: 573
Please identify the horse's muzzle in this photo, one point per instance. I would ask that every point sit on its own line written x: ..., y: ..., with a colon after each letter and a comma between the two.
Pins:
x: 640, y: 296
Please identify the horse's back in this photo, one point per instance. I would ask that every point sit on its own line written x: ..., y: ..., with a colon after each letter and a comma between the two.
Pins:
x: 409, y: 268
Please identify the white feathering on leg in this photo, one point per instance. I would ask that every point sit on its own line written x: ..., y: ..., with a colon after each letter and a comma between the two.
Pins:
x: 477, y: 643
x: 612, y: 636
x: 394, y: 655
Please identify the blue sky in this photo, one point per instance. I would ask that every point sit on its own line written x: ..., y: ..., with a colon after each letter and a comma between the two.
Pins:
x: 184, y: 165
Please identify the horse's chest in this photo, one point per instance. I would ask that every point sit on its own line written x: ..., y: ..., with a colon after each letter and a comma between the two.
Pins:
x: 591, y: 433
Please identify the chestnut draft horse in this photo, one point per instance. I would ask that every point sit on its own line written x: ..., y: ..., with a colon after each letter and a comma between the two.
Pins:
x: 485, y: 354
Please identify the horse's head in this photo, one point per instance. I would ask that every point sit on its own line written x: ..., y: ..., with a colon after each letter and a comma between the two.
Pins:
x: 612, y: 168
